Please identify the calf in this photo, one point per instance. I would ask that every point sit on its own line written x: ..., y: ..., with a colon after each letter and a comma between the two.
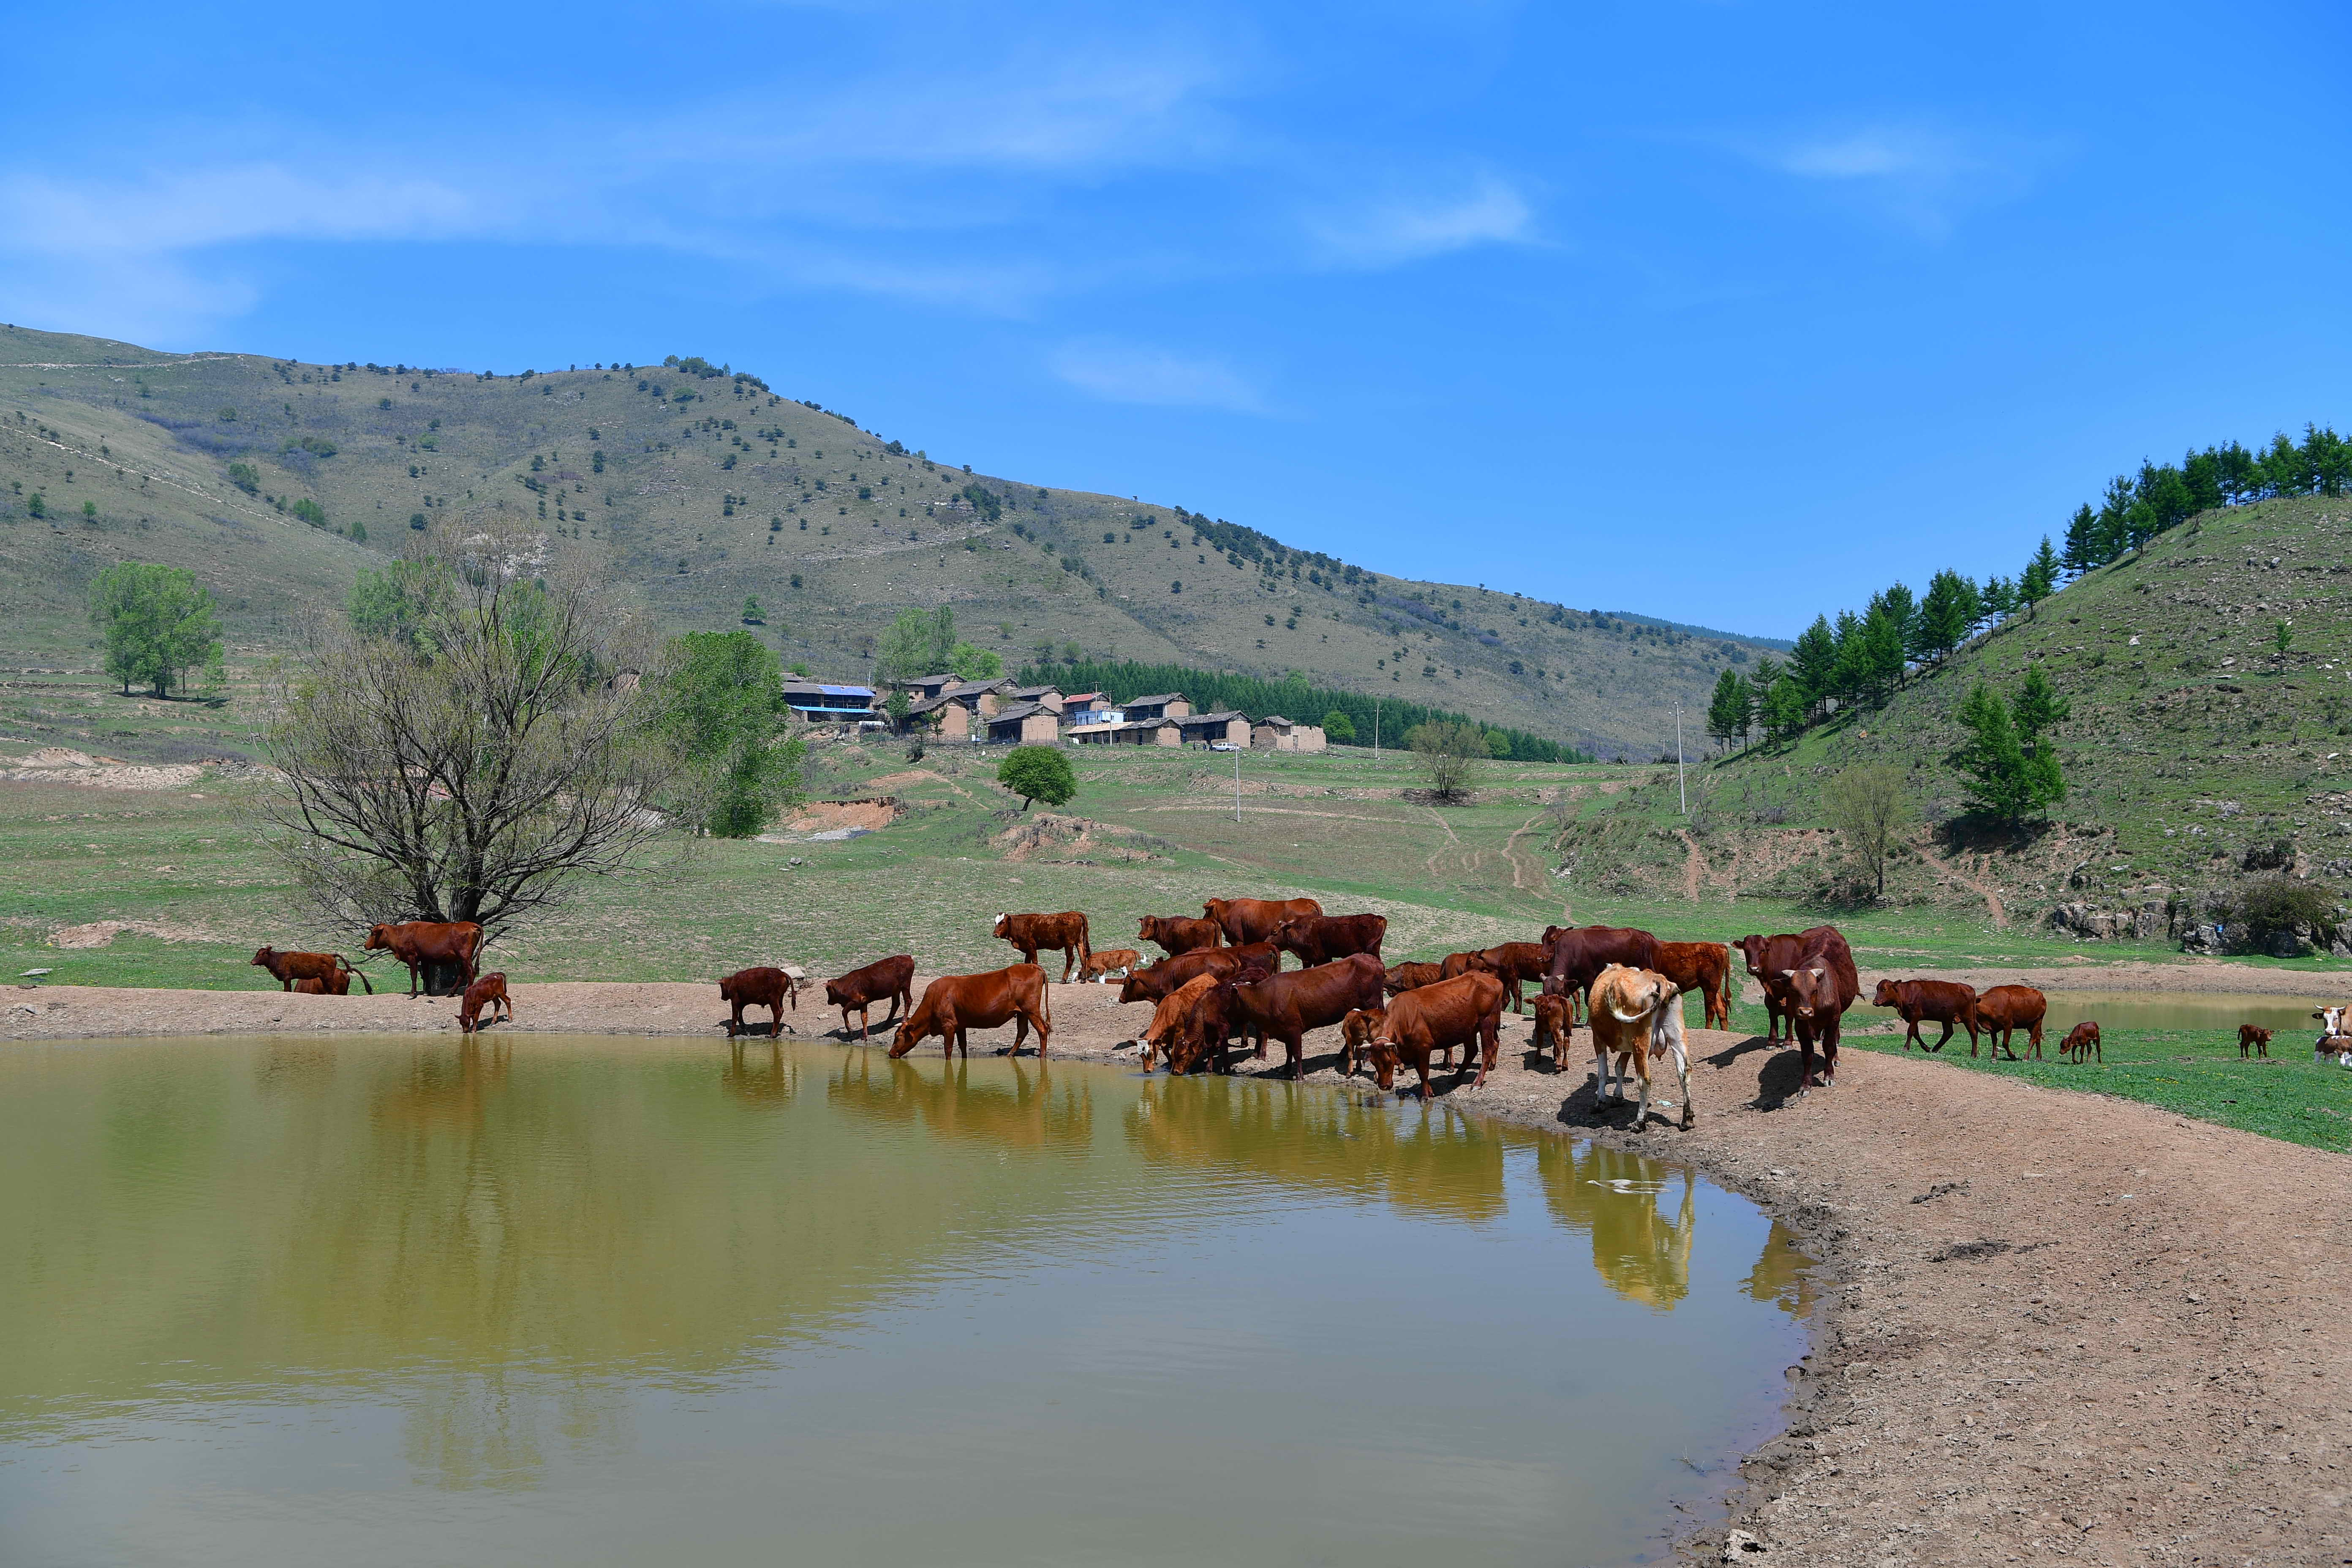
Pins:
x: 1466, y: 1010
x: 1152, y: 981
x: 2083, y: 1040
x: 287, y: 968
x: 1065, y: 934
x: 885, y: 978
x: 1321, y: 939
x: 1286, y: 1006
x: 1945, y: 1002
x: 1623, y: 1012
x: 1410, y: 976
x: 1181, y: 933
x: 430, y: 944
x: 1254, y: 920
x: 316, y: 988
x: 1356, y: 1032
x: 1704, y: 967
x: 491, y: 991
x: 761, y: 988
x: 954, y: 1004
x: 2249, y: 1037
x: 1555, y: 1025
x: 1096, y: 966
x: 2007, y: 1008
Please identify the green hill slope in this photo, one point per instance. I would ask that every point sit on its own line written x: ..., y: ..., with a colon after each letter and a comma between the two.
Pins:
x: 2198, y: 753
x: 701, y: 489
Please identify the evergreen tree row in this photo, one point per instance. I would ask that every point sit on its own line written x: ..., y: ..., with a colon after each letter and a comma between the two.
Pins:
x: 2138, y: 507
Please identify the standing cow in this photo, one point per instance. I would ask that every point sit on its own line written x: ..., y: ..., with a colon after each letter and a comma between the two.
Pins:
x: 1578, y: 954
x: 1065, y: 934
x: 891, y: 979
x: 1629, y: 1014
x: 762, y: 987
x: 2004, y: 1009
x: 1320, y: 939
x: 1180, y: 933
x: 427, y: 945
x: 1254, y: 920
x: 1945, y: 1002
x: 333, y: 975
x: 1466, y: 1011
x: 955, y: 1004
x: 1704, y: 967
x: 1815, y: 992
x: 1770, y: 957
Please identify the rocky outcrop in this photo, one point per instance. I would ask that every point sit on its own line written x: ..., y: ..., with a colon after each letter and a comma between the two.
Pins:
x: 2087, y: 924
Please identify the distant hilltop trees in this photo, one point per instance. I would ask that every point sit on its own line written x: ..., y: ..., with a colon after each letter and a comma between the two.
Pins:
x: 2138, y: 507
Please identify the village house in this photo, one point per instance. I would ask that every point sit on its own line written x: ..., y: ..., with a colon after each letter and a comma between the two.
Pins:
x: 1276, y: 734
x: 960, y: 713
x: 1024, y: 724
x: 1164, y: 705
x: 1231, y: 727
x: 820, y: 703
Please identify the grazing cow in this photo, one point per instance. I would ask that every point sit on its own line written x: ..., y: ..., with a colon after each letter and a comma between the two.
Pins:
x: 1152, y: 981
x: 1466, y: 1011
x: 1285, y: 1006
x: 2005, y: 1008
x: 1321, y: 939
x: 885, y: 978
x: 1704, y: 967
x: 329, y: 968
x: 2083, y: 1040
x: 1065, y: 934
x: 1555, y: 1026
x: 1410, y: 976
x: 1356, y: 1032
x: 1096, y: 966
x: 1770, y: 957
x: 423, y: 944
x: 488, y: 991
x: 1945, y: 1002
x: 2249, y: 1036
x: 1578, y: 954
x: 1181, y: 933
x: 954, y: 1004
x: 1216, y: 1019
x: 2335, y: 1035
x: 1254, y: 920
x: 759, y: 988
x: 1171, y: 1016
x: 316, y: 988
x: 1623, y: 1010
x: 1815, y: 994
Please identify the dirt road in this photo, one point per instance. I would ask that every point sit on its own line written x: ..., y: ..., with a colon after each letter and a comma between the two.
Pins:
x: 2055, y: 1325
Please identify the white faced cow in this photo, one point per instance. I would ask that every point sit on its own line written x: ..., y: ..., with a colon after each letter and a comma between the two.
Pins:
x: 2335, y: 1035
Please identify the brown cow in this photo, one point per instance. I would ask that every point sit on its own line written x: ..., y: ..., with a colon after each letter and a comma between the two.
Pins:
x: 1216, y: 1019
x: 1096, y: 966
x: 1285, y: 1006
x: 1815, y: 992
x: 419, y: 943
x: 1556, y: 1024
x: 1254, y: 920
x: 1065, y: 934
x: 1769, y: 957
x: 1466, y: 1011
x: 1181, y: 933
x: 1945, y: 1002
x: 953, y: 1004
x: 2083, y: 1040
x: 326, y: 967
x: 1321, y: 939
x: 2248, y: 1037
x: 1154, y: 981
x: 1578, y: 954
x: 1172, y: 1015
x: 489, y: 991
x: 1412, y: 976
x: 893, y: 978
x: 2006, y: 1009
x: 1635, y: 1014
x: 1704, y: 967
x: 1356, y: 1032
x: 759, y: 988
x: 317, y: 988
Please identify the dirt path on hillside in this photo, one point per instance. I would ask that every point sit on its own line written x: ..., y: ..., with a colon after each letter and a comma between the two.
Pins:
x: 2051, y: 1324
x: 1976, y: 884
x: 1694, y: 864
x: 1523, y: 872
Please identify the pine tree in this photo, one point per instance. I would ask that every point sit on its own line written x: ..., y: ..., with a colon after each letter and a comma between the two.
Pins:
x: 1812, y: 663
x: 2082, y: 541
x: 1727, y: 710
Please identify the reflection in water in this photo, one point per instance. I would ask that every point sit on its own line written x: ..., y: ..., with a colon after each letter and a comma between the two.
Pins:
x: 628, y: 1302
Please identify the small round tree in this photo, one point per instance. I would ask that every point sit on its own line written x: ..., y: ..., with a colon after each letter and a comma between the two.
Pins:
x: 1339, y: 728
x: 1038, y: 773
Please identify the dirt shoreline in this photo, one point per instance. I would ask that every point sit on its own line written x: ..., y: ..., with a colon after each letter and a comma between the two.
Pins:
x: 2051, y: 1323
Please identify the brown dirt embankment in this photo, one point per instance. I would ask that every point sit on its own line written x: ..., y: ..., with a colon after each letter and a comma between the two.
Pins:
x: 2053, y: 1325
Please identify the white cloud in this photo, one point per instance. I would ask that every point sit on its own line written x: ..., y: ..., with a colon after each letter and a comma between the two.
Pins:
x: 1384, y: 233
x: 1128, y: 372
x: 1923, y: 177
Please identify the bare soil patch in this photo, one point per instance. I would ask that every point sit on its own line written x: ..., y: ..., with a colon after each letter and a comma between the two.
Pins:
x: 2050, y: 1324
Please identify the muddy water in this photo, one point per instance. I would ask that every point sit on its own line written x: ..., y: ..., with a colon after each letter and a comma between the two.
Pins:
x: 2220, y: 1011
x: 592, y: 1301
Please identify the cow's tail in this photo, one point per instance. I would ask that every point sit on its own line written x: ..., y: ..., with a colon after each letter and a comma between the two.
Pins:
x: 350, y: 974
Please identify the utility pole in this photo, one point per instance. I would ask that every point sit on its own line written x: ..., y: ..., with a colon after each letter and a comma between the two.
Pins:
x: 1679, y: 787
x: 1376, y: 729
x: 1238, y: 787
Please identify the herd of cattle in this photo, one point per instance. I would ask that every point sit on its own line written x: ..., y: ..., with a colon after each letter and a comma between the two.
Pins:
x: 1222, y: 980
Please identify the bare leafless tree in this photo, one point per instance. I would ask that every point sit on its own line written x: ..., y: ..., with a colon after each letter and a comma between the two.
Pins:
x: 483, y: 732
x: 1867, y: 807
x: 1452, y: 755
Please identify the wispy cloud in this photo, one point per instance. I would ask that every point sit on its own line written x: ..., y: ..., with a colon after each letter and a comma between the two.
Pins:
x: 1129, y: 372
x: 1924, y: 177
x: 1389, y: 231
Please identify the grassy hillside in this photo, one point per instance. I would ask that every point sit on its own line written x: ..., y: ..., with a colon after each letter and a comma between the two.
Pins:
x: 702, y: 489
x: 2198, y: 751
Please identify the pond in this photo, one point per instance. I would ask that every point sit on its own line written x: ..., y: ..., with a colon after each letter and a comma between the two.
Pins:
x: 2220, y: 1011
x: 589, y: 1301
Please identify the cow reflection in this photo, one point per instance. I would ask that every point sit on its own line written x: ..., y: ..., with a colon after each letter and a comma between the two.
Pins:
x: 1639, y: 1249
x: 1025, y: 1113
x: 444, y: 1088
x: 1783, y: 1274
x: 761, y: 1077
x: 1433, y: 1163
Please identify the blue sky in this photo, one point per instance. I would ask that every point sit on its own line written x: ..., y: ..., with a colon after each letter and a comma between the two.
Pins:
x: 1729, y: 312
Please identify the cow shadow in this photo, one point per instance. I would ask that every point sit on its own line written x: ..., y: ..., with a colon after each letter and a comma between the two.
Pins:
x: 1778, y: 1080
